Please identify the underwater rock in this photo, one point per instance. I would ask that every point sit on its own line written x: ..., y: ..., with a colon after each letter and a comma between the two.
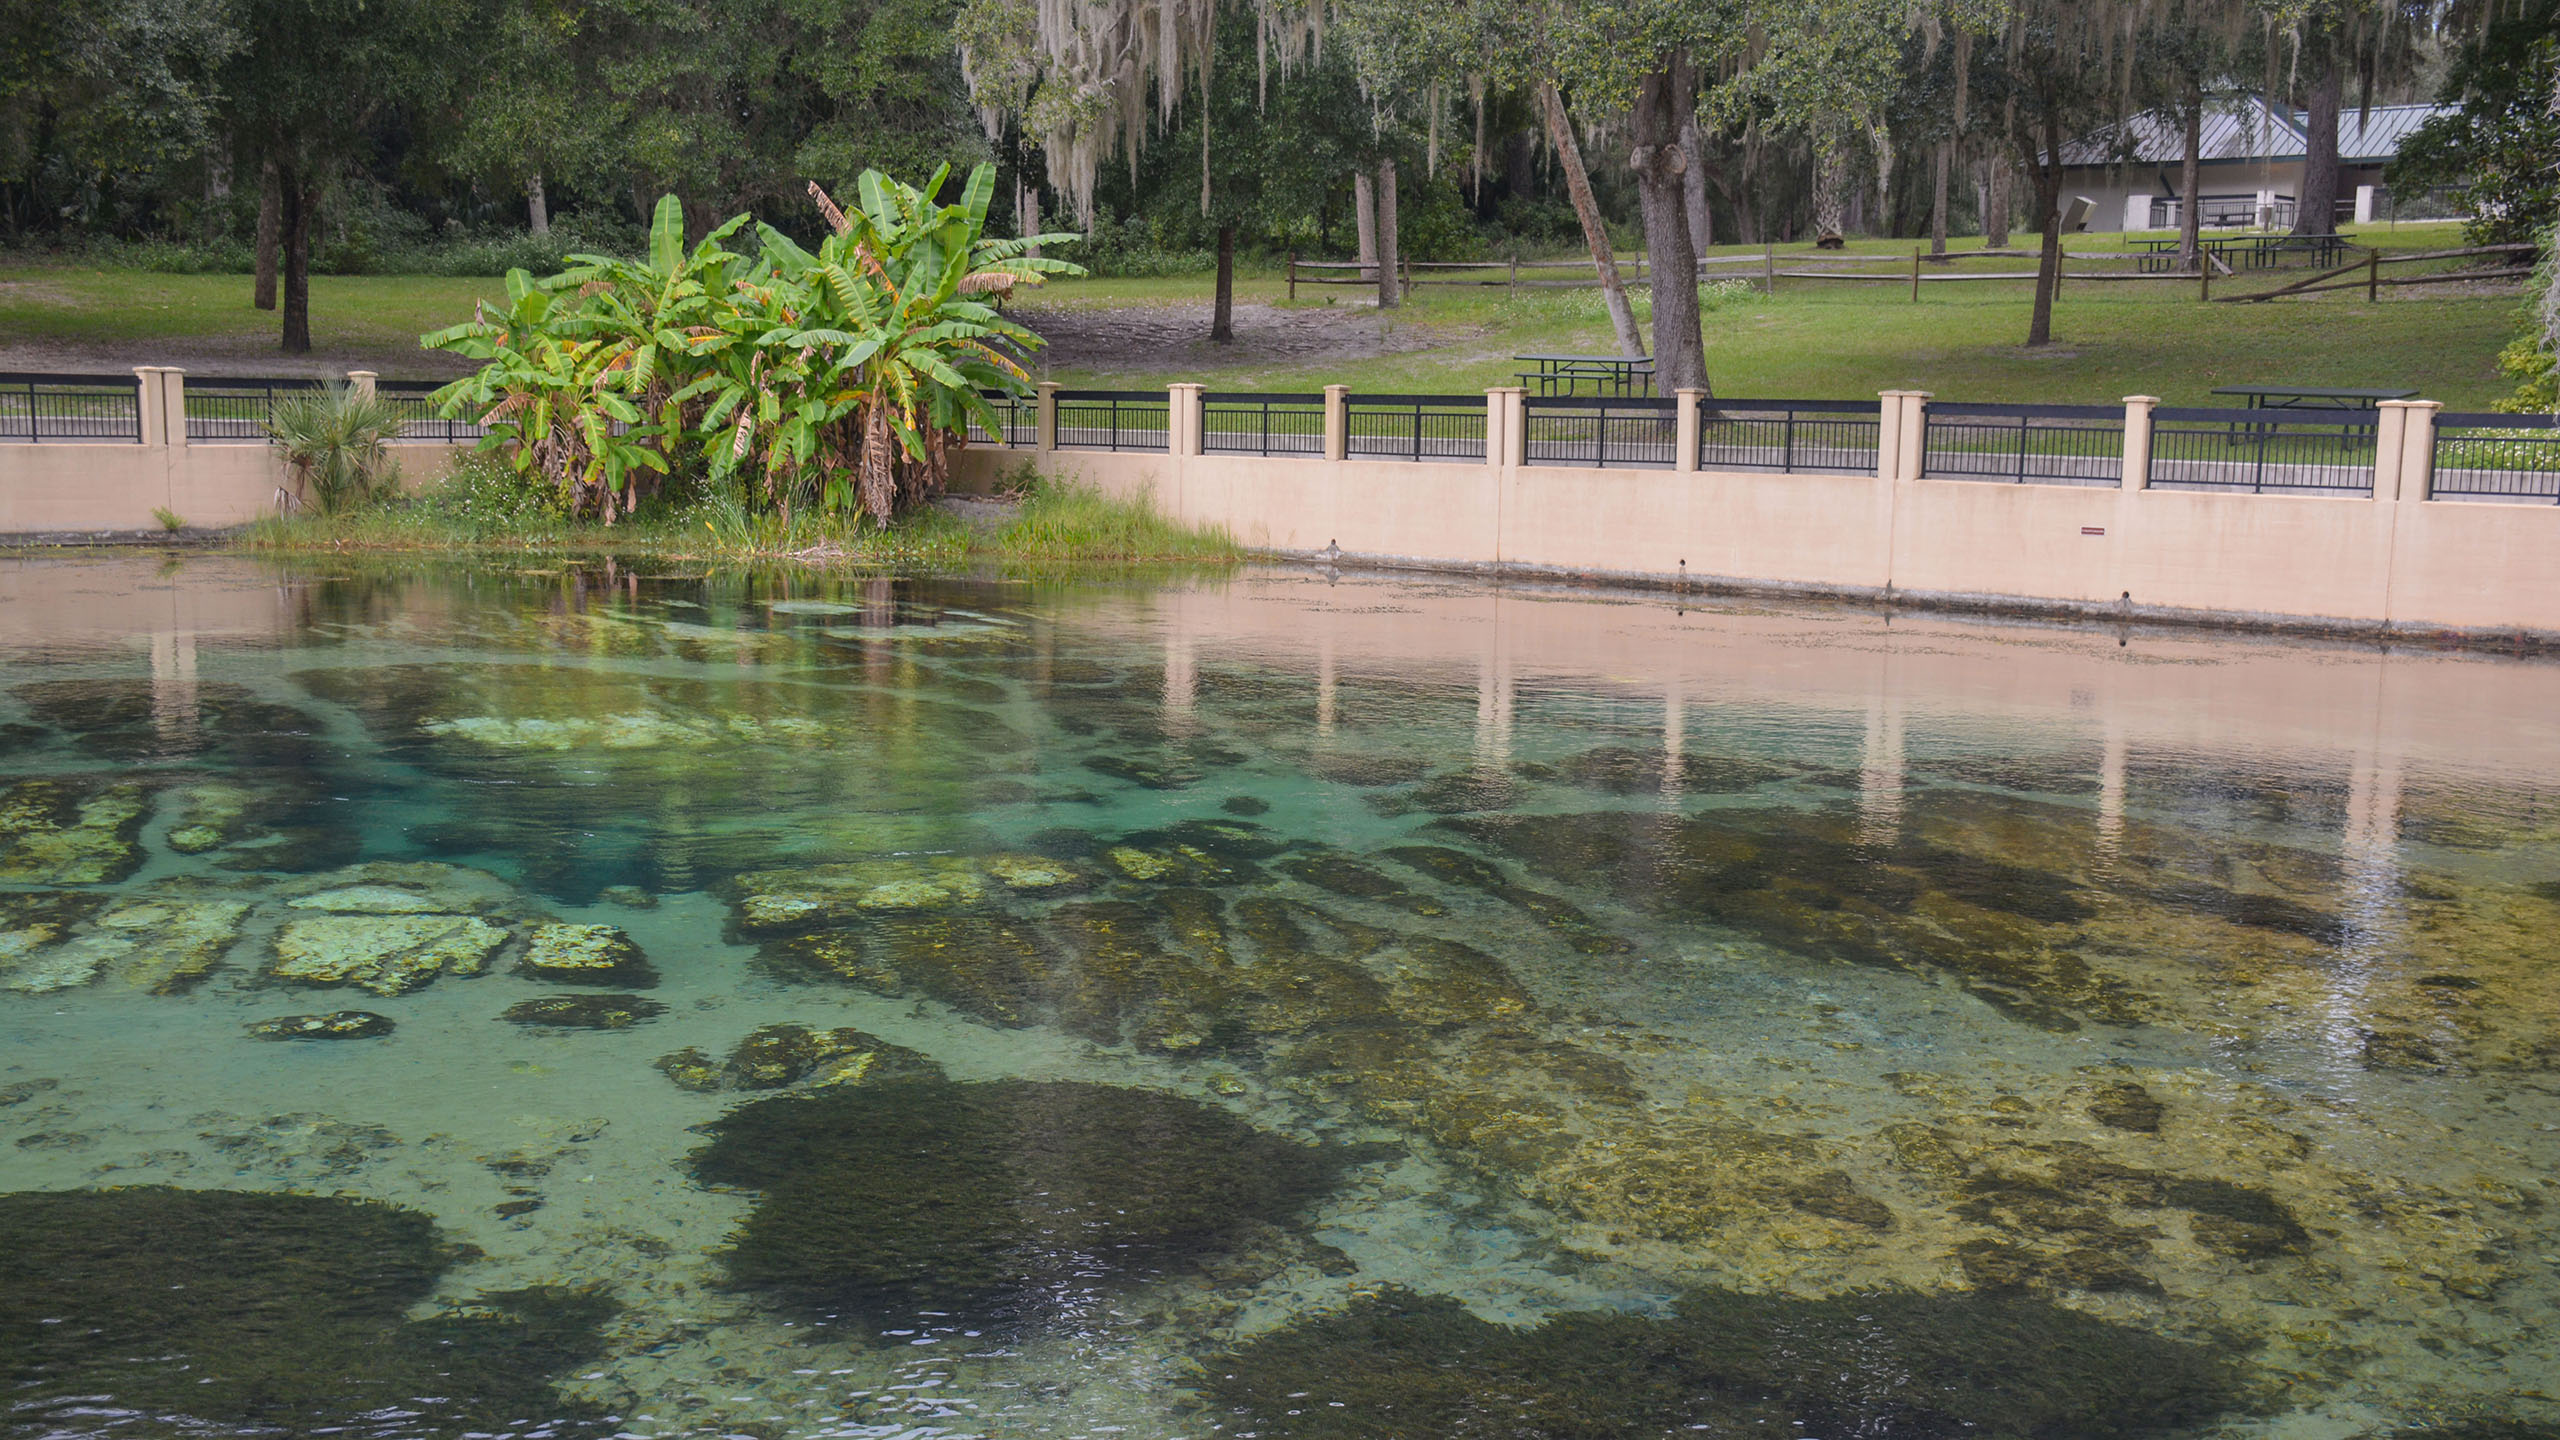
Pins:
x: 583, y: 1012
x: 1396, y: 1366
x: 386, y: 954
x: 1245, y: 806
x: 369, y: 900
x: 1368, y: 772
x: 336, y: 1025
x: 993, y: 1200
x: 19, y: 1092
x: 1173, y: 775
x: 779, y: 1055
x: 67, y: 831
x: 1457, y: 867
x: 394, y: 887
x: 1352, y: 880
x: 213, y: 1310
x: 1459, y: 793
x: 176, y: 941
x: 585, y: 955
x: 1999, y: 1266
x: 629, y: 897
x: 773, y: 901
x: 2127, y: 1106
x: 299, y: 1146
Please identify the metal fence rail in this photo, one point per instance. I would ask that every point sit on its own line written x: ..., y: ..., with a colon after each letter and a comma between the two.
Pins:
x: 236, y: 412
x: 418, y: 418
x: 1240, y: 424
x: 1603, y: 431
x: 2262, y: 451
x: 1793, y: 436
x: 1114, y: 420
x: 2024, y: 444
x: 1018, y: 419
x: 1414, y: 427
x: 36, y: 408
x: 2483, y: 456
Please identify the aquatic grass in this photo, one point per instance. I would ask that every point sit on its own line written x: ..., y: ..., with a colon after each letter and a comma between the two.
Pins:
x: 1064, y: 522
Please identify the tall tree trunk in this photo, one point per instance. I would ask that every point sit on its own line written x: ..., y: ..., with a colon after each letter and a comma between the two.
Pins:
x: 1661, y: 168
x: 1364, y: 217
x: 1577, y: 183
x: 1830, y: 185
x: 1222, y: 320
x: 270, y: 229
x: 2044, y: 167
x: 1693, y: 183
x: 1938, y: 197
x: 1995, y: 218
x: 2315, y: 211
x: 1028, y: 211
x: 537, y: 207
x: 1390, y: 285
x: 2191, y: 157
x: 299, y: 200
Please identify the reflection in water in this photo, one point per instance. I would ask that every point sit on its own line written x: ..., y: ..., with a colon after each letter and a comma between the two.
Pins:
x: 804, y: 1006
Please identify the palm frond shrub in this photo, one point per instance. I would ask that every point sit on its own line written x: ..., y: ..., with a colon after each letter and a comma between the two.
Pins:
x: 337, y: 442
x: 839, y: 378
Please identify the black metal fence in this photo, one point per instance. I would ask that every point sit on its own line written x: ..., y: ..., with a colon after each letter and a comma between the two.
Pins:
x: 1114, y: 420
x: 2024, y: 444
x: 2262, y: 451
x: 236, y: 412
x: 1017, y: 421
x: 1829, y: 436
x: 2483, y: 456
x: 1238, y: 424
x: 1414, y: 427
x: 1602, y: 431
x: 37, y: 408
x: 418, y: 418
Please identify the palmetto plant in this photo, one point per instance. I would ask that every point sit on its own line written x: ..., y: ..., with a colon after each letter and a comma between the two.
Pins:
x: 841, y: 376
x: 337, y: 441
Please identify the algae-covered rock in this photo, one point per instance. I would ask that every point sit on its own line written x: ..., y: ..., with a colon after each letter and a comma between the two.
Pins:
x: 70, y: 831
x: 386, y: 954
x: 220, y: 1311
x: 583, y: 1012
x: 1622, y: 770
x: 1457, y: 867
x: 775, y: 901
x: 585, y: 955
x: 993, y: 1200
x: 336, y: 1025
x: 394, y: 887
x: 177, y: 940
x: 779, y: 1055
x: 1398, y: 1366
x: 138, y: 718
x: 1350, y: 879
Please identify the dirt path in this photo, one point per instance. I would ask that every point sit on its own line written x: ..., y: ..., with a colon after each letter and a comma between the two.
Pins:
x: 226, y: 356
x: 1173, y: 339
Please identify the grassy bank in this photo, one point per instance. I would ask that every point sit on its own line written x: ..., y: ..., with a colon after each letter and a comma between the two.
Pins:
x: 1049, y: 528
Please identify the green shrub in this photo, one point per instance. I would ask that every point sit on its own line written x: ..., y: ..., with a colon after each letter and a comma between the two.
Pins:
x: 337, y: 441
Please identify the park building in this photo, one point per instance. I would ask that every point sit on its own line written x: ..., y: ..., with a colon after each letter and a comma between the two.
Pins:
x: 2249, y: 171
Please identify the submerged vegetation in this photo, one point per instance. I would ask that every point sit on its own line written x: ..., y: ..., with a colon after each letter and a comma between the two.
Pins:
x: 995, y: 1200
x: 287, y: 1313
x: 1931, y: 1367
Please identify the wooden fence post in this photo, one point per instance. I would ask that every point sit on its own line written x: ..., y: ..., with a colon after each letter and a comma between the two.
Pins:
x: 1915, y: 274
x: 1515, y: 272
x: 1769, y: 264
x: 2373, y: 275
x: 1293, y: 275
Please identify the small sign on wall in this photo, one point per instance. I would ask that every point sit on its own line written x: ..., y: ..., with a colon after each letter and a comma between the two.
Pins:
x: 2093, y: 529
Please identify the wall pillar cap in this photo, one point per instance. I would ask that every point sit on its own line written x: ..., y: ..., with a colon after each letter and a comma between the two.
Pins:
x: 2142, y: 399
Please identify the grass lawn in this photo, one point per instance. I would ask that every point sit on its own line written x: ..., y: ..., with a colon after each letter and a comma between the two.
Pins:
x: 1813, y: 339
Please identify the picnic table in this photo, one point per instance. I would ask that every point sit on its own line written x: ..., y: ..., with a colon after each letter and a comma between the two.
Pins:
x: 1605, y: 374
x: 2311, y: 397
x: 2239, y: 252
x: 2362, y: 407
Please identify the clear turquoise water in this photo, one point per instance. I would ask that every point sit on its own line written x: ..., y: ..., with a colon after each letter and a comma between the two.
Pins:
x: 1268, y: 1006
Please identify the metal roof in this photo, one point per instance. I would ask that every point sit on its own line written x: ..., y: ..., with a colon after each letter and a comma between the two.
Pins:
x: 2246, y: 127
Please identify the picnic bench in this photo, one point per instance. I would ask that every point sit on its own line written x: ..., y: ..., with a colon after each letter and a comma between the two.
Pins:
x: 2361, y: 408
x: 1605, y: 374
x: 2239, y: 252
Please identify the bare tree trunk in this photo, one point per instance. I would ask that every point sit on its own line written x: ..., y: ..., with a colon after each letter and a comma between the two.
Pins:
x: 1390, y: 284
x: 1995, y: 219
x: 1364, y: 216
x: 270, y: 229
x: 1938, y: 198
x: 299, y: 199
x: 1693, y: 183
x: 2190, y: 204
x: 537, y: 206
x: 1222, y: 320
x: 1028, y: 211
x: 2046, y: 171
x: 1577, y: 182
x: 2315, y: 211
x: 1662, y: 168
x: 1830, y: 186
